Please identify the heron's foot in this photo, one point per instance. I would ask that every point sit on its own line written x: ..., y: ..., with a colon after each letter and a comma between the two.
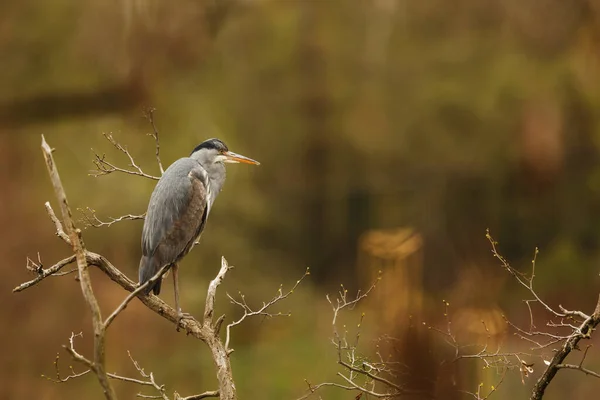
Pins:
x: 181, y: 316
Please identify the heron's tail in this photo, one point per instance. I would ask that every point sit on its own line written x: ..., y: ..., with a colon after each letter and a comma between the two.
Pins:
x: 148, y: 268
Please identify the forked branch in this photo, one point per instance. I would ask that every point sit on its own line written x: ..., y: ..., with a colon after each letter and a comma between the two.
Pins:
x: 579, y: 325
x: 104, y: 167
x: 263, y: 310
x: 90, y: 219
x: 149, y: 114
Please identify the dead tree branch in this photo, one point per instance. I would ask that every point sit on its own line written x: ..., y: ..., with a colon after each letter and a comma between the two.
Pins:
x: 103, y: 167
x: 90, y: 219
x: 579, y: 325
x: 219, y: 352
x: 44, y: 273
x: 584, y: 331
x: 580, y: 366
x: 57, y: 224
x: 343, y: 302
x: 377, y: 376
x: 204, y: 331
x: 312, y: 389
x: 134, y: 294
x: 205, y: 395
x: 98, y: 365
x: 149, y: 114
x: 148, y: 378
x: 263, y: 310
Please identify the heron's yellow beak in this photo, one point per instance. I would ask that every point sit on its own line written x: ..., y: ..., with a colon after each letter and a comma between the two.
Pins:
x: 232, y: 157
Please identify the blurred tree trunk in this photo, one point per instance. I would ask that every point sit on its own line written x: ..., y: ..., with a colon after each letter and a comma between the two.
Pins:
x: 314, y: 109
x: 42, y: 108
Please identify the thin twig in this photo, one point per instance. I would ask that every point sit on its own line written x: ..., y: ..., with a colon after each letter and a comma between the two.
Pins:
x: 72, y: 375
x: 76, y: 356
x: 134, y: 294
x: 104, y: 167
x: 570, y: 344
x: 150, y: 382
x: 149, y: 114
x: 525, y: 281
x: 57, y: 224
x: 205, y: 395
x: 312, y: 389
x: 342, y: 300
x: 579, y: 368
x: 44, y: 273
x: 249, y: 312
x: 355, y: 364
x: 365, y: 390
x: 90, y: 219
x: 569, y: 341
x: 370, y: 375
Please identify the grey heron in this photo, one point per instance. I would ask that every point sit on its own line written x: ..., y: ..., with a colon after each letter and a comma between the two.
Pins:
x: 178, y: 210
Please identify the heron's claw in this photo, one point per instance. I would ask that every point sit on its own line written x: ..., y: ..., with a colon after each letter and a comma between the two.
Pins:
x: 181, y: 316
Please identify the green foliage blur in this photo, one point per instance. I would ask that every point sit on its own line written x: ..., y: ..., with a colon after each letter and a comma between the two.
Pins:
x: 445, y: 117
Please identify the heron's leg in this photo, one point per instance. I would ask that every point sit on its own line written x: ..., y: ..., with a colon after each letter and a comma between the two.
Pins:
x: 175, y: 269
x: 180, y: 315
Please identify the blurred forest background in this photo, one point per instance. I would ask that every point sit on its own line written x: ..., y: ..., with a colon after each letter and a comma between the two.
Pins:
x: 391, y: 134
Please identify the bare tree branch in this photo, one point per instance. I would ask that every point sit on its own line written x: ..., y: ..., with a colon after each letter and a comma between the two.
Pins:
x: 44, y: 273
x: 583, y: 332
x: 90, y: 219
x: 84, y: 278
x: 72, y: 375
x: 579, y: 324
x: 148, y: 380
x: 104, y: 167
x: 343, y: 302
x: 248, y: 312
x: 370, y: 375
x: 365, y: 390
x: 376, y: 384
x: 312, y: 389
x: 203, y: 331
x: 211, y: 338
x: 205, y: 395
x: 59, y: 229
x: 149, y: 114
x: 134, y: 294
x: 209, y: 306
x: 477, y: 395
x: 527, y: 281
x: 580, y: 366
x: 76, y: 356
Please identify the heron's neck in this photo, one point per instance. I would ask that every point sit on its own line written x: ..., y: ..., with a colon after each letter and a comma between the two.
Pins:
x: 215, y: 172
x: 216, y: 179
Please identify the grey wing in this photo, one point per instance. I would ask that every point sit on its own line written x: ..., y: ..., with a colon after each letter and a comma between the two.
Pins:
x: 176, y: 213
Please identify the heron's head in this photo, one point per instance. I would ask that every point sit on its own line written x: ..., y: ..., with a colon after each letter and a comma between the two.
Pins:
x: 213, y: 151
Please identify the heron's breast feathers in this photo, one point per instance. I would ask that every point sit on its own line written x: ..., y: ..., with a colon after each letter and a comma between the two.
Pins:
x: 188, y: 224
